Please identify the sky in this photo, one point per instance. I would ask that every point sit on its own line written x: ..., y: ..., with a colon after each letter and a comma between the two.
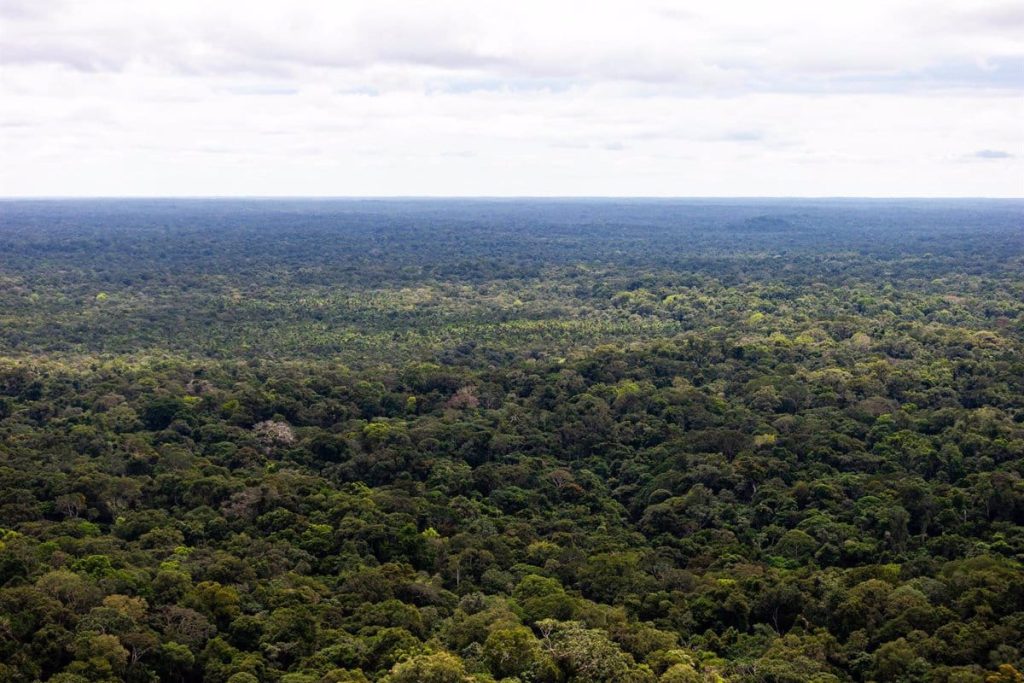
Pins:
x: 884, y: 98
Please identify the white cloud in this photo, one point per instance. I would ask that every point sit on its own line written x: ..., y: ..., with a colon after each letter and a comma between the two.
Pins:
x: 461, y: 98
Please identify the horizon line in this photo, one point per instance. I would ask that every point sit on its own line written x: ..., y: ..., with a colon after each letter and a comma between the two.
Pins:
x: 524, y: 197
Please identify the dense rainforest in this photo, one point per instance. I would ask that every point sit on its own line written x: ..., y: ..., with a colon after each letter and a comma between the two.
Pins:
x: 541, y: 441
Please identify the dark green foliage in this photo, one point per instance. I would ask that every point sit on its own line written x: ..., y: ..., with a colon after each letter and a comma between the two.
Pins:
x: 554, y: 442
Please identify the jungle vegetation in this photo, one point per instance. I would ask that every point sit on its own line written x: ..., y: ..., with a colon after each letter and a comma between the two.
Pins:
x: 546, y: 441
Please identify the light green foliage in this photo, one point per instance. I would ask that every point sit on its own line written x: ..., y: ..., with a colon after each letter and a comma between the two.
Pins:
x: 441, y: 667
x: 550, y: 442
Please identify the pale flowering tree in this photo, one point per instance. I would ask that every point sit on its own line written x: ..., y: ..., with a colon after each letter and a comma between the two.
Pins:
x: 464, y: 398
x: 273, y: 434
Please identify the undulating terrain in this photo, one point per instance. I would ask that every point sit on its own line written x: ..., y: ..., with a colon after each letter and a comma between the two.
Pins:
x: 535, y: 441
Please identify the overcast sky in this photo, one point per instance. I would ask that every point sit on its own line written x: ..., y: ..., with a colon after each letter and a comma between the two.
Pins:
x: 720, y: 97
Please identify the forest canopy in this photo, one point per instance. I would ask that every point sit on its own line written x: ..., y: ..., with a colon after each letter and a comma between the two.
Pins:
x: 551, y: 441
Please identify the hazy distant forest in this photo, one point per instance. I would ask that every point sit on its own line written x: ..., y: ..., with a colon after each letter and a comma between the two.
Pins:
x: 583, y: 441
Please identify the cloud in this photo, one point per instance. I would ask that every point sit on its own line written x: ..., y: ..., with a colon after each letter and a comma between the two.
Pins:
x: 463, y: 97
x: 992, y: 154
x: 25, y: 9
x: 984, y: 17
x: 731, y: 45
x: 741, y: 136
